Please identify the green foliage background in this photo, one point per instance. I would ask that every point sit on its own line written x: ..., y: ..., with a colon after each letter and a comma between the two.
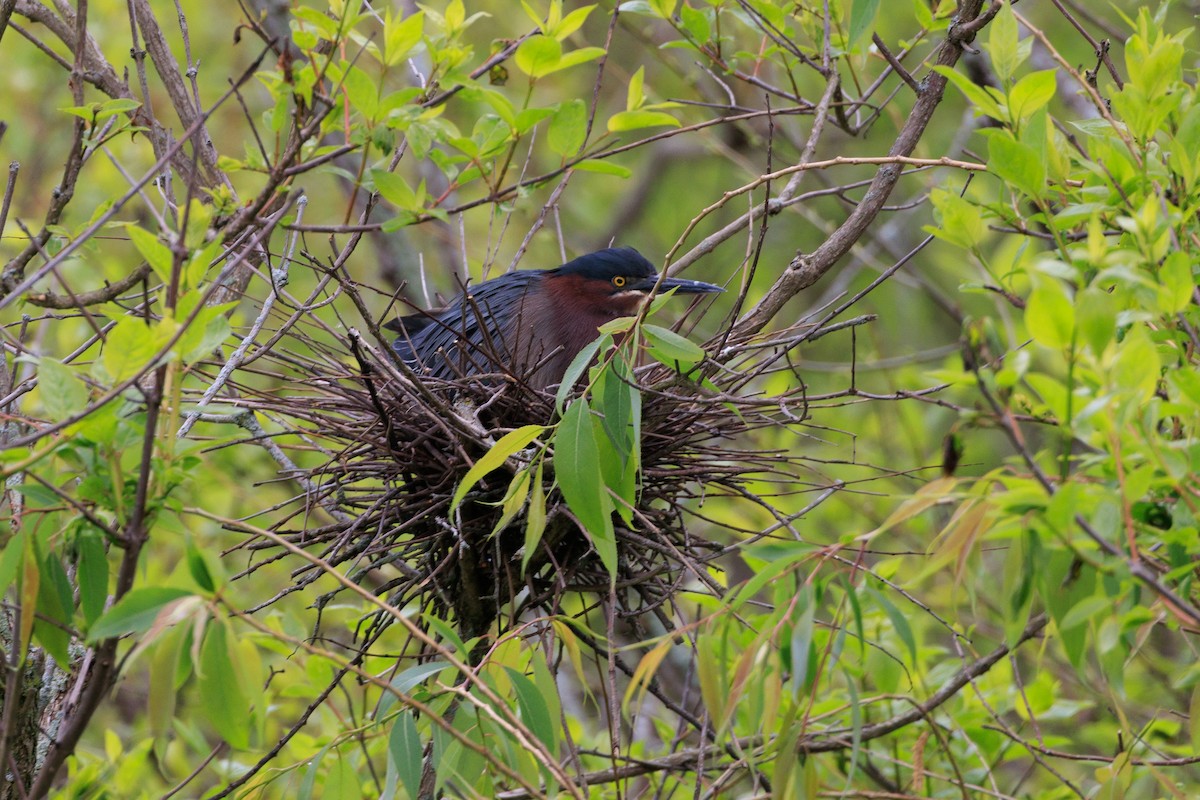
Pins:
x: 973, y: 574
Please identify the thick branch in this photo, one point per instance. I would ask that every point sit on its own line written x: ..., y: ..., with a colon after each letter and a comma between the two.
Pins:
x: 804, y: 270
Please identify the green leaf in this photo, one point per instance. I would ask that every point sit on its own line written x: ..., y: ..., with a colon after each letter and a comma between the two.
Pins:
x: 613, y: 435
x: 83, y: 112
x: 157, y: 254
x: 510, y: 443
x: 1137, y: 367
x: 535, y: 518
x: 514, y: 500
x: 603, y: 167
x: 663, y: 8
x: 135, y: 612
x: 163, y: 691
x: 672, y: 349
x: 1031, y: 94
x: 575, y: 369
x: 201, y: 260
x: 862, y: 20
x: 1016, y: 164
x: 633, y: 120
x: 1002, y: 44
x: 408, y: 680
x: 801, y: 641
x: 199, y: 219
x: 31, y: 579
x: 570, y: 23
x: 961, y: 221
x: 568, y: 127
x: 634, y: 97
x: 696, y: 22
x: 362, y: 91
x: 397, y: 191
x: 54, y: 607
x: 1176, y: 283
x: 1049, y: 315
x: 198, y: 568
x: 11, y: 558
x: 982, y: 97
x: 118, y: 105
x: 92, y: 574
x: 404, y: 751
x: 1096, y: 318
x: 577, y: 57
x: 534, y: 711
x: 131, y: 345
x: 576, y: 465
x: 400, y: 36
x: 207, y: 332
x: 63, y: 392
x: 538, y: 56
x: 222, y: 699
x: 529, y: 117
x: 899, y: 622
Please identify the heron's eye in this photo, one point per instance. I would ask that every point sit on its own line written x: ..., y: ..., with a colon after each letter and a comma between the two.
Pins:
x: 619, y: 281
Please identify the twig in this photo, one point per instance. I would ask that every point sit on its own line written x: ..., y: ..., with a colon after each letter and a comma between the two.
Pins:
x: 279, y: 279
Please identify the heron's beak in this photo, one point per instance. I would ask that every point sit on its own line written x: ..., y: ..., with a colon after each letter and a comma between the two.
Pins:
x: 680, y: 285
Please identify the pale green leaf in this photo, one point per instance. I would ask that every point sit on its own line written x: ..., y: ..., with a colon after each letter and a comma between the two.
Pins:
x: 1016, y: 164
x: 538, y: 56
x: 603, y: 168
x: 401, y: 36
x: 568, y: 127
x: 633, y: 120
x: 135, y: 612
x: 634, y: 96
x: 535, y: 518
x: 510, y: 443
x: 862, y: 20
x: 223, y: 701
x: 405, y: 752
x: 670, y: 348
x: 1050, y: 315
x: 157, y: 254
x: 63, y: 392
x: 1031, y: 94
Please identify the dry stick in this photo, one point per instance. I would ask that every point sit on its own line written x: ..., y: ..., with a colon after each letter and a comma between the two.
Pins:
x: 1093, y: 95
x: 1096, y: 758
x: 86, y: 234
x: 797, y: 169
x: 346, y: 665
x: 99, y: 73
x: 1137, y: 567
x: 104, y: 666
x: 508, y: 191
x: 6, y: 10
x: 9, y: 188
x: 167, y: 68
x: 895, y: 64
x: 805, y: 270
x: 528, y: 740
x: 279, y: 279
x: 832, y: 740
x: 1100, y: 49
x: 115, y: 391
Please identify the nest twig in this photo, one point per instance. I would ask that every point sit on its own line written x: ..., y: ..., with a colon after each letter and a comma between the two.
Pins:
x: 394, y: 447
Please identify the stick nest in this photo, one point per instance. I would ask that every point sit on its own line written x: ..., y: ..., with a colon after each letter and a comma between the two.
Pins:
x: 396, y: 446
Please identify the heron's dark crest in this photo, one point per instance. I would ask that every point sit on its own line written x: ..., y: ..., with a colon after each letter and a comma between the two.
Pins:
x: 530, y: 324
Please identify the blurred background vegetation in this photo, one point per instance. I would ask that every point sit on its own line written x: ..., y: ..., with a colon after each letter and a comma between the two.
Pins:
x: 973, y: 303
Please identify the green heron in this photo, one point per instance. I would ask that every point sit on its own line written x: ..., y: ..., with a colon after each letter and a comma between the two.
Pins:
x: 531, y: 324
